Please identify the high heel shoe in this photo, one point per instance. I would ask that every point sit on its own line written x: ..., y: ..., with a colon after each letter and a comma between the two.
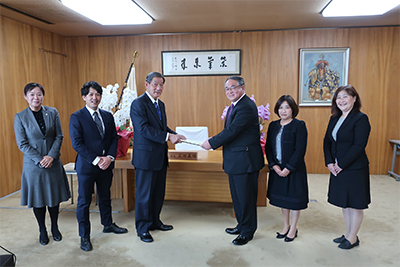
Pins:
x: 280, y: 236
x: 288, y: 239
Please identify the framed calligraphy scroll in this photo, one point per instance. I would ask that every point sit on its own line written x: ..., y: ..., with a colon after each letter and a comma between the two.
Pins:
x: 322, y: 71
x: 199, y: 63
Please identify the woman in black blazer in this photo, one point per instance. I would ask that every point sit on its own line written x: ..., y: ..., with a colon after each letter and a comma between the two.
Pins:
x: 344, y: 148
x: 285, y: 149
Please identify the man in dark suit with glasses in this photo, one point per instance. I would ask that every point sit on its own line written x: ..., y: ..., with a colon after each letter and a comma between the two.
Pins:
x: 242, y: 157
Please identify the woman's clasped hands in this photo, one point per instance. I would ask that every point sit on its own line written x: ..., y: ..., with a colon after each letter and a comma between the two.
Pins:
x: 46, y: 162
x: 282, y: 173
x: 334, y: 168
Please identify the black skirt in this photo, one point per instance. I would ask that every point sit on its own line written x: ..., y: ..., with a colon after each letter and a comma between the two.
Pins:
x: 350, y: 189
x: 289, y: 192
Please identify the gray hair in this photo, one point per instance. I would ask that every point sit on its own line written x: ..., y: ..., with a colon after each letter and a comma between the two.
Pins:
x: 153, y: 74
x: 239, y: 80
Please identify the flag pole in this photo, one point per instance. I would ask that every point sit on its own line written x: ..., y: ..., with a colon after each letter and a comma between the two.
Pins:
x: 134, y: 56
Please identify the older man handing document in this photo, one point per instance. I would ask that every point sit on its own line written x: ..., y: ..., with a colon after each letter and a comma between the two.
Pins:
x: 150, y: 156
x: 242, y: 157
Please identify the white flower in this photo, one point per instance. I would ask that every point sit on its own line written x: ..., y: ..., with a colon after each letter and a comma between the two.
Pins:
x: 110, y: 99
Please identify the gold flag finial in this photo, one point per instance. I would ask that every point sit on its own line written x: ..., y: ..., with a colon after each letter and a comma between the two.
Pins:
x: 135, y: 55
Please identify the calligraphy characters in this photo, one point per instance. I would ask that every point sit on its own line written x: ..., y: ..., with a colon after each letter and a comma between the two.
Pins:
x: 197, y: 63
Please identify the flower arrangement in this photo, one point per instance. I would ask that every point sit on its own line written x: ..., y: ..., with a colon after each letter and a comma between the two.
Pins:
x: 120, y: 108
x: 263, y: 115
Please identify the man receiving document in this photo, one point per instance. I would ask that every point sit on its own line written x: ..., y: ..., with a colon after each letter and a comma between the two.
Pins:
x: 242, y: 157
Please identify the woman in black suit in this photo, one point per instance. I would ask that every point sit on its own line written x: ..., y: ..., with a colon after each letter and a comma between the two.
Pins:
x: 344, y: 148
x: 285, y: 149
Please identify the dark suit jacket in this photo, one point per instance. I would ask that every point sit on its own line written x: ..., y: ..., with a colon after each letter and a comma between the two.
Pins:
x: 241, y: 139
x: 294, y: 144
x: 86, y: 139
x: 352, y: 138
x: 150, y: 148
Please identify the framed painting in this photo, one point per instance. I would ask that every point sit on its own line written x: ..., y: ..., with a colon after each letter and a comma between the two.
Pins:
x: 199, y: 63
x: 322, y: 71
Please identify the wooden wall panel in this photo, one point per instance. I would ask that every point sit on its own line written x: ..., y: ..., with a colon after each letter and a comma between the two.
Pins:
x: 11, y: 162
x: 270, y: 61
x: 374, y: 57
x: 197, y: 100
x: 61, y: 77
x: 21, y: 63
x: 76, y: 74
x: 374, y: 69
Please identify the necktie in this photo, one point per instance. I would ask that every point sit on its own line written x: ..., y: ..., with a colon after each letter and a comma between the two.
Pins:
x: 158, y: 110
x: 229, y: 113
x: 98, y: 124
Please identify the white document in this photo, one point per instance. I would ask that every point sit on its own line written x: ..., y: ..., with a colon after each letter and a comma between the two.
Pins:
x: 192, y: 142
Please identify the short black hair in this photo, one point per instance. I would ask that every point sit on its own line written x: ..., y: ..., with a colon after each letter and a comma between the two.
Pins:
x: 154, y: 74
x: 29, y: 87
x: 95, y: 85
x: 239, y: 80
x: 292, y: 104
x: 336, y: 112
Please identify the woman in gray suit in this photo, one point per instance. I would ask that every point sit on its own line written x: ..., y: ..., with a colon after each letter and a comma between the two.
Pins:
x: 44, y: 182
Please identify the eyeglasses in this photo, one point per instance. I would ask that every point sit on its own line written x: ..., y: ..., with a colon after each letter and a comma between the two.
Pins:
x: 233, y: 87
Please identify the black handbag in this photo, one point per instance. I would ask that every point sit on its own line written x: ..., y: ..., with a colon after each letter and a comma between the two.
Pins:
x: 7, y: 260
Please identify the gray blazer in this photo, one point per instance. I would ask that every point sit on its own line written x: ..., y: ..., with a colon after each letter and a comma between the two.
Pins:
x: 39, y: 186
x: 30, y: 139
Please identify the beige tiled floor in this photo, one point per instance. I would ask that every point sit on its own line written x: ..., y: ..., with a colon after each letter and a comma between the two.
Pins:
x: 198, y: 238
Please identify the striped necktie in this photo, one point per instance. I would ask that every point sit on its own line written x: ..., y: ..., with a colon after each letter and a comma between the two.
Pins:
x: 98, y: 124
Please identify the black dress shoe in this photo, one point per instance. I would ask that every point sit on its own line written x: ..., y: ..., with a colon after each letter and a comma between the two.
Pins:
x: 86, y: 245
x: 339, y: 239
x: 288, y: 239
x: 162, y: 227
x: 347, y: 245
x: 146, y: 237
x: 232, y: 231
x: 113, y: 228
x: 43, y: 239
x: 241, y: 240
x: 280, y: 236
x: 57, y: 238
